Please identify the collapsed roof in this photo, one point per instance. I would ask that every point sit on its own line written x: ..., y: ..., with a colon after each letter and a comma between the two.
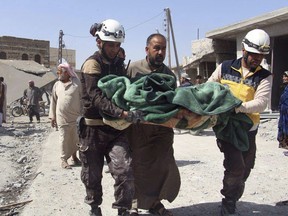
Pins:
x: 17, y: 74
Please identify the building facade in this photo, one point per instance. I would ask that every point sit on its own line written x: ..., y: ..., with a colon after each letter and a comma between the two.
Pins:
x: 68, y: 54
x: 14, y: 48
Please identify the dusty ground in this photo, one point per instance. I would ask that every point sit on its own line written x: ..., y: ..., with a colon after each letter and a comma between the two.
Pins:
x: 30, y: 172
x: 20, y: 152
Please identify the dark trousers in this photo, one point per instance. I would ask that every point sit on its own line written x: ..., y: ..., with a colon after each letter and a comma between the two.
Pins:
x: 33, y: 110
x: 97, y: 143
x: 237, y: 166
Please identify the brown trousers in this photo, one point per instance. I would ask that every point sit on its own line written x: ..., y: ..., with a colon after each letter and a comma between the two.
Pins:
x: 237, y: 166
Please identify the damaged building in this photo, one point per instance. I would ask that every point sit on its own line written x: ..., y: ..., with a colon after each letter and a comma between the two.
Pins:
x: 17, y: 74
x: 226, y: 43
x: 25, y: 49
x: 23, y: 59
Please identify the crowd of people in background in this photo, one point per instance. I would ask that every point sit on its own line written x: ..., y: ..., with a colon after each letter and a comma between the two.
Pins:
x: 142, y: 151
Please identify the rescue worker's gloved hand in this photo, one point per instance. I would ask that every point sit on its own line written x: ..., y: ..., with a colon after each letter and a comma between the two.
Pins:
x: 135, y: 116
x: 80, y: 124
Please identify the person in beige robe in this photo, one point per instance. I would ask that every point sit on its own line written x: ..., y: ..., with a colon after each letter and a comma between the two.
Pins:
x: 155, y: 171
x: 65, y: 108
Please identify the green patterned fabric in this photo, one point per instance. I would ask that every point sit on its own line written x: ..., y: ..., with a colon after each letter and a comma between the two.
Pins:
x: 155, y: 96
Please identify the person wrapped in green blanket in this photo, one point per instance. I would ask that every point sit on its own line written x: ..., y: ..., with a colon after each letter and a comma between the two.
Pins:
x: 152, y: 90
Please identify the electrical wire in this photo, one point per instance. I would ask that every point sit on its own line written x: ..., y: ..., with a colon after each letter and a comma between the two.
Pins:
x: 144, y: 22
x: 135, y: 26
x: 77, y: 36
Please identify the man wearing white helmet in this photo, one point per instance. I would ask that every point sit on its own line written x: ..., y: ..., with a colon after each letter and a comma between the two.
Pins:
x: 98, y: 140
x: 251, y: 83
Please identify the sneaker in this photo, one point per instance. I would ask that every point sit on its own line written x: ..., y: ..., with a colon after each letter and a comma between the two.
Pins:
x: 177, y: 131
x: 228, y: 208
x: 75, y: 162
x: 95, y: 211
x: 65, y: 164
x: 195, y: 133
x: 133, y: 212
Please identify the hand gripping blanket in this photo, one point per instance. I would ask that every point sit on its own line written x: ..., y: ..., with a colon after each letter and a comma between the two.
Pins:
x: 203, y: 106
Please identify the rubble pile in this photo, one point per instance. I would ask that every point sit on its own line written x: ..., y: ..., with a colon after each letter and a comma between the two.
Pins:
x: 20, y: 152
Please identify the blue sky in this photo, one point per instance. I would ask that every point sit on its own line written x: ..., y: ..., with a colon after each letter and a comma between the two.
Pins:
x: 42, y: 19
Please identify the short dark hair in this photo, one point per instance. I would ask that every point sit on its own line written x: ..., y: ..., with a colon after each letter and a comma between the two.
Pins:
x: 2, y: 79
x: 152, y: 36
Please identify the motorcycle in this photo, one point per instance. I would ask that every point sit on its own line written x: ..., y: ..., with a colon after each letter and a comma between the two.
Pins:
x: 20, y: 107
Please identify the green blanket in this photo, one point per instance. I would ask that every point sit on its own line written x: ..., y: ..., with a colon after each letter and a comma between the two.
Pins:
x: 154, y: 95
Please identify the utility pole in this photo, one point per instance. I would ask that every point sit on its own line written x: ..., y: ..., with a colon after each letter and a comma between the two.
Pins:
x: 167, y: 10
x: 60, y: 47
x: 167, y: 29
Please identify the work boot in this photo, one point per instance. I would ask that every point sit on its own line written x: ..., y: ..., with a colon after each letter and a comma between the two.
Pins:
x: 123, y: 212
x: 228, y: 207
x: 95, y: 211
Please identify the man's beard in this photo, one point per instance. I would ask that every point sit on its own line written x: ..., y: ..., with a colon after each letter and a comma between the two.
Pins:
x: 157, y: 62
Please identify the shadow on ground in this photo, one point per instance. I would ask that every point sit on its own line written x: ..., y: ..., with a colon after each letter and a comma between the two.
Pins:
x: 181, y: 163
x: 244, y: 208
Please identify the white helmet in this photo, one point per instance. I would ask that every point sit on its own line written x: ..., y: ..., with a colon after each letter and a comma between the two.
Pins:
x: 110, y: 30
x: 257, y: 41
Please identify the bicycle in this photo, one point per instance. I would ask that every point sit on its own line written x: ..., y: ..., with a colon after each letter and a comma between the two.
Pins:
x: 21, y: 108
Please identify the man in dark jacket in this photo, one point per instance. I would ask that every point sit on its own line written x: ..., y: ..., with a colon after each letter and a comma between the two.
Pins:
x: 98, y: 140
x: 33, y: 95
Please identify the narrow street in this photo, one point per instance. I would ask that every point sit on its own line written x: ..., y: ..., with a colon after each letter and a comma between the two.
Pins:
x: 56, y: 191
